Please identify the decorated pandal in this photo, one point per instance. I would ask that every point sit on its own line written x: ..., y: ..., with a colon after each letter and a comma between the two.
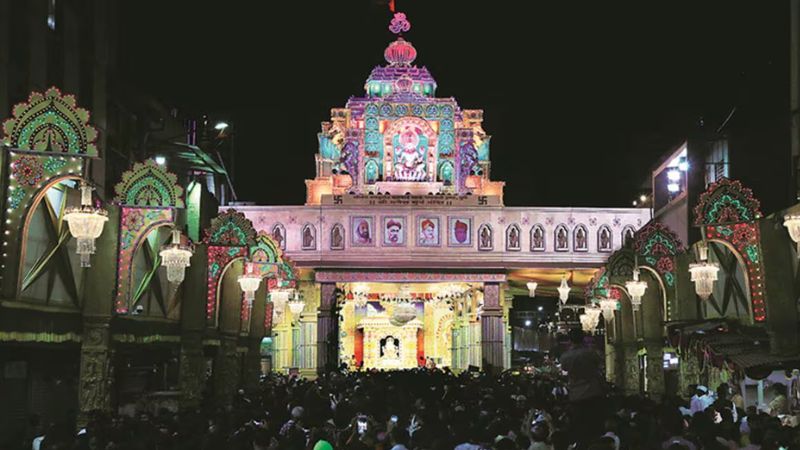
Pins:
x: 401, y: 209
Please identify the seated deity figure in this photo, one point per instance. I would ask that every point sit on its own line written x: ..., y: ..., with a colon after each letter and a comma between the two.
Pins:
x: 390, y: 348
x: 409, y: 156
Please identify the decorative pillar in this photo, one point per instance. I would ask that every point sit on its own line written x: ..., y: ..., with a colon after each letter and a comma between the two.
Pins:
x: 97, y: 373
x: 327, y: 340
x: 227, y: 370
x: 491, y: 328
x: 192, y: 369
x: 308, y: 327
x: 252, y: 364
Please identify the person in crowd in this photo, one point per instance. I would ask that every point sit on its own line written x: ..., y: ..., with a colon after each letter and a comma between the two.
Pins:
x: 586, y: 387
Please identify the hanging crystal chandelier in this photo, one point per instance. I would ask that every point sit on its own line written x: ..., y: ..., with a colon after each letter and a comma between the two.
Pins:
x: 704, y: 273
x: 607, y: 307
x: 296, y: 304
x: 249, y: 282
x: 792, y: 223
x: 636, y: 289
x: 86, y: 224
x: 594, y: 315
x: 586, y: 323
x: 563, y: 290
x: 532, y: 285
x: 175, y: 257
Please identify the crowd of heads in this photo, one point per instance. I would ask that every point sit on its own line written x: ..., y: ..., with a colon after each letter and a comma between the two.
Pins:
x: 431, y: 409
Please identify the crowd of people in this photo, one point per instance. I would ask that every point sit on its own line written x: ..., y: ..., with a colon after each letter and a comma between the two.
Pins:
x: 554, y: 408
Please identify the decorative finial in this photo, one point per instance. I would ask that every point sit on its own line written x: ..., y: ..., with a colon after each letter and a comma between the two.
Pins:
x: 399, y: 24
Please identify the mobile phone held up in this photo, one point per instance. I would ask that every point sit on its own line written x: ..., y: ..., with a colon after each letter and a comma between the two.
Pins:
x: 393, y: 419
x: 361, y: 423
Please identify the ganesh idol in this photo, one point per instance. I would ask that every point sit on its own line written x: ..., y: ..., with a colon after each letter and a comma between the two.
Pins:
x: 410, y: 155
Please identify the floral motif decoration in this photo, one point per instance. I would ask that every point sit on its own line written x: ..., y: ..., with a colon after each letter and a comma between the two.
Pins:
x: 726, y: 201
x: 135, y: 225
x: 148, y: 184
x: 50, y: 122
x: 658, y: 245
x: 28, y: 171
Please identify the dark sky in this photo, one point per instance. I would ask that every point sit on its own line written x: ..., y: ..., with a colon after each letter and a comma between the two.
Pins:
x: 581, y: 98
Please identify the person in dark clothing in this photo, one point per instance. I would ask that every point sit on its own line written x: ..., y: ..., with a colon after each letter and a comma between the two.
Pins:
x: 586, y: 388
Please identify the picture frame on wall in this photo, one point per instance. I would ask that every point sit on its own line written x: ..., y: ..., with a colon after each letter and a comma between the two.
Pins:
x: 459, y: 232
x: 394, y: 231
x: 362, y: 231
x: 428, y: 231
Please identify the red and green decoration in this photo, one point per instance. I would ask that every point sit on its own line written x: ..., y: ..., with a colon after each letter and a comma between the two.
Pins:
x: 148, y: 184
x: 148, y: 195
x: 230, y: 237
x: 598, y: 286
x: 657, y: 245
x: 727, y: 212
x: 50, y: 122
x: 135, y: 225
x: 726, y: 201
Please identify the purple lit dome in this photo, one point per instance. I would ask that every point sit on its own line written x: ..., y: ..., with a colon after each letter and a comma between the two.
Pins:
x: 400, y: 53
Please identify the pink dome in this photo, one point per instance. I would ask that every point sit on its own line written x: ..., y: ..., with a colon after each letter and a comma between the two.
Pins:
x: 400, y: 53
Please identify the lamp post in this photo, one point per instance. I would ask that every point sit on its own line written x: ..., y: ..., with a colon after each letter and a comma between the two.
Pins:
x: 636, y: 290
x: 703, y: 273
x: 86, y: 224
x: 175, y: 257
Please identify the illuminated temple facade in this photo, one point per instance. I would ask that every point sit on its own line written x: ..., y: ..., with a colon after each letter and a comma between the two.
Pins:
x: 405, y: 252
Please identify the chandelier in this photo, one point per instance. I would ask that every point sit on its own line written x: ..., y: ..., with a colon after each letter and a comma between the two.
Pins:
x: 532, y: 285
x: 607, y: 307
x: 86, y: 224
x: 249, y: 282
x: 636, y: 289
x: 175, y: 257
x: 704, y: 273
x: 296, y: 304
x: 586, y: 323
x: 792, y: 223
x: 563, y: 290
x: 402, y: 314
x: 594, y: 315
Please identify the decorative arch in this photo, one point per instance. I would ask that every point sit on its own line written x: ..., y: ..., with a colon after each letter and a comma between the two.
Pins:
x: 538, y: 241
x: 513, y: 238
x: 581, y: 238
x: 446, y: 173
x: 627, y: 235
x: 229, y: 237
x: 605, y: 240
x: 337, y: 237
x: 148, y: 184
x: 147, y: 287
x: 371, y: 172
x: 656, y: 247
x: 426, y: 138
x: 727, y: 212
x: 50, y: 122
x: 279, y: 235
x: 308, y: 237
x: 485, y: 237
x: 135, y: 224
x: 726, y: 202
x: 561, y: 238
x: 57, y: 240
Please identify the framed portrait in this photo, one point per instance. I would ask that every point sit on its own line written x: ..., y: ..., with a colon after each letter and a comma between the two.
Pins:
x: 459, y: 231
x: 362, y: 231
x: 428, y: 231
x: 537, y: 238
x: 394, y: 231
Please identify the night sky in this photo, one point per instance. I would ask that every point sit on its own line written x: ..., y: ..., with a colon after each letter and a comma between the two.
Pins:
x: 581, y: 98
